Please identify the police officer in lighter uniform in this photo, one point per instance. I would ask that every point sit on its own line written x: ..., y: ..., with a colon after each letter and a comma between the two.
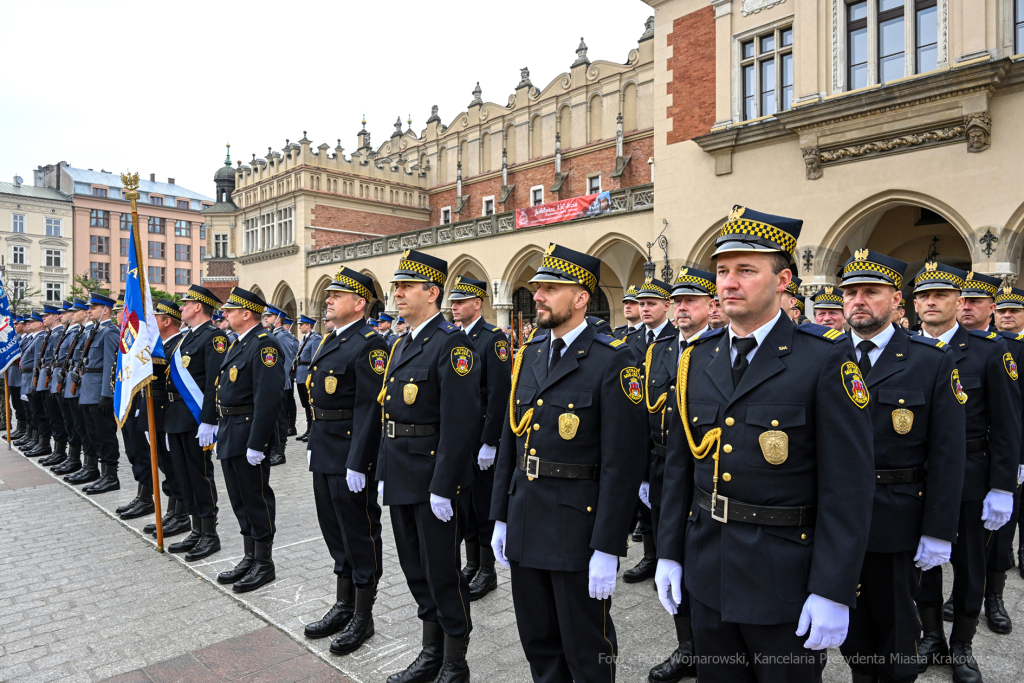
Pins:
x: 27, y: 365
x: 66, y: 436
x: 73, y: 340
x: 828, y: 307
x: 300, y: 371
x: 289, y: 347
x: 97, y: 397
x: 39, y: 388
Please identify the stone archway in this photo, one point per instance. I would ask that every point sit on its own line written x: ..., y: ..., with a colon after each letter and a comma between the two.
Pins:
x: 700, y: 254
x: 469, y: 266
x: 622, y: 264
x: 284, y: 299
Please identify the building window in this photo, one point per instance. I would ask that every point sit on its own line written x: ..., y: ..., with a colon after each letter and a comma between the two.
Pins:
x: 182, y: 252
x: 285, y: 233
x: 156, y: 201
x: 182, y: 276
x: 124, y: 272
x: 892, y: 53
x: 124, y: 246
x: 126, y: 221
x: 54, y: 291
x: 156, y: 250
x: 18, y: 256
x: 446, y: 215
x: 536, y: 195
x: 99, y: 244
x: 182, y: 229
x: 17, y: 222
x: 766, y: 69
x: 54, y: 258
x: 489, y: 206
x: 1018, y: 22
x: 99, y: 271
x: 202, y: 253
x: 19, y: 287
x: 926, y: 29
x: 156, y: 275
x: 99, y: 219
x: 220, y: 246
x: 202, y: 231
x: 886, y: 47
x: 99, y: 192
x: 53, y: 227
x: 157, y: 225
x: 594, y: 185
x: 181, y: 204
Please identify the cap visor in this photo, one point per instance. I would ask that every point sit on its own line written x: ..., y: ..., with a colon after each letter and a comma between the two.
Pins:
x: 969, y: 294
x: 935, y: 285
x: 404, y: 277
x: 1009, y: 304
x: 550, y: 277
x: 837, y: 307
x: 860, y: 279
x: 458, y: 296
x: 727, y: 247
x: 680, y: 290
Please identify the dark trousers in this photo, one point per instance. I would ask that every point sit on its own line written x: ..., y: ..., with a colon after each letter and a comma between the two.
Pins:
x: 566, y: 634
x: 289, y: 405
x: 282, y: 419
x: 304, y: 400
x: 476, y: 507
x: 428, y: 551
x: 138, y: 457
x: 193, y: 468
x: 58, y: 430
x: 884, y: 628
x: 745, y: 653
x: 252, y: 499
x: 643, y: 516
x: 1000, y: 552
x: 80, y: 426
x: 970, y: 555
x: 17, y: 407
x: 39, y: 414
x: 350, y: 523
x: 74, y: 436
x: 102, y: 431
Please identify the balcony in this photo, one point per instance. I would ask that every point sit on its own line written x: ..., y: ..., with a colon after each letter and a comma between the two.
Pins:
x: 17, y: 268
x: 53, y: 270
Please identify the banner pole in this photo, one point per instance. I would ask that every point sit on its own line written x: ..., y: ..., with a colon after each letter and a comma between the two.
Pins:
x: 7, y: 405
x: 156, y: 471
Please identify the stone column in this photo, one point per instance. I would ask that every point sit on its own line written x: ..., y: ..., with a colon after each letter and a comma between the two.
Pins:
x: 504, y: 313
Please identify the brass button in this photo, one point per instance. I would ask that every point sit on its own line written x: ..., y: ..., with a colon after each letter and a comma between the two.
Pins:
x: 570, y: 406
x: 536, y: 427
x: 670, y: 409
x: 540, y: 401
x: 775, y: 423
x: 590, y: 509
x: 902, y: 401
x: 314, y: 367
x: 803, y: 537
x: 533, y: 451
x: 695, y: 419
x: 392, y: 379
x: 726, y: 477
x: 412, y: 379
x: 691, y: 513
x: 348, y: 433
x: 517, y: 401
x: 672, y: 387
x: 729, y: 422
x: 388, y: 397
x: 920, y: 493
x: 727, y: 448
x: 386, y: 416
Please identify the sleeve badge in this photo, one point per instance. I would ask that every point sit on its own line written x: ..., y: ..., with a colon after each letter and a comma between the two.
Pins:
x: 1010, y: 365
x: 958, y: 389
x: 631, y: 383
x: 220, y: 344
x: 853, y: 382
x: 269, y: 356
x: 501, y: 349
x: 378, y: 361
x: 462, y: 360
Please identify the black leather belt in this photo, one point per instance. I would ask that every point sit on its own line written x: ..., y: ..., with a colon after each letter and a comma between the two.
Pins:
x: 156, y: 393
x: 977, y: 445
x: 734, y: 511
x: 173, y: 396
x: 660, y: 450
x: 535, y: 467
x: 397, y: 429
x: 234, y: 410
x: 322, y: 414
x: 303, y: 362
x: 87, y: 371
x: 910, y: 475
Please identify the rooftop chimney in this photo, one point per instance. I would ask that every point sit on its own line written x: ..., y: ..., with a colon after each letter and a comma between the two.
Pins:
x: 170, y: 181
x: 17, y: 181
x: 152, y: 177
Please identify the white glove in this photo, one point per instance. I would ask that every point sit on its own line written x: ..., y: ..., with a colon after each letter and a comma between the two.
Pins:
x: 498, y: 543
x: 603, y: 568
x: 669, y: 577
x: 931, y: 552
x: 136, y: 412
x: 356, y: 481
x: 24, y: 397
x: 828, y: 620
x: 167, y: 441
x: 207, y: 433
x: 442, y: 507
x: 253, y: 456
x: 645, y: 493
x: 380, y: 490
x: 147, y: 437
x: 309, y: 456
x: 1020, y: 475
x: 485, y: 458
x: 996, y: 510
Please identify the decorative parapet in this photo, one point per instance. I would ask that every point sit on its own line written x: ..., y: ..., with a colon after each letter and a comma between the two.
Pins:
x: 269, y: 254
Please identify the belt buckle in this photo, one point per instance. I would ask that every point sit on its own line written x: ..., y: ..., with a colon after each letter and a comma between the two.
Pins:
x: 170, y: 397
x: 391, y: 429
x: 724, y: 519
x: 532, y: 467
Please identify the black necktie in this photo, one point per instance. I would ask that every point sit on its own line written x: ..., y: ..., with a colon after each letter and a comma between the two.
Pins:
x: 739, y: 366
x: 557, y: 345
x: 401, y: 344
x: 865, y: 361
x: 650, y: 337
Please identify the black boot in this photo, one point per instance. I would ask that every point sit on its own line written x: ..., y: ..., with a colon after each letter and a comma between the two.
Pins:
x: 138, y: 492
x: 165, y: 520
x: 947, y: 609
x: 42, y: 448
x: 965, y: 669
x: 305, y: 435
x: 72, y: 463
x: 472, y: 561
x: 454, y: 669
x: 243, y: 567
x: 486, y: 578
x: 360, y: 628
x: 995, y: 611
x: 646, y: 567
x: 209, y: 542
x: 59, y: 454
x: 292, y: 431
x: 637, y: 534
x: 143, y: 505
x: 186, y: 544
x: 680, y: 663
x: 88, y: 472
x: 428, y: 662
x: 277, y: 455
x: 19, y: 432
x: 262, y: 571
x: 1020, y: 556
x: 108, y: 481
x: 932, y: 649
x: 339, y: 615
x: 179, y: 522
x: 29, y: 437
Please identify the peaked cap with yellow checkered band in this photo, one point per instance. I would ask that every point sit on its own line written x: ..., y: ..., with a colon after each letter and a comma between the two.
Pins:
x: 416, y: 266
x: 348, y: 280
x: 749, y: 230
x: 939, y: 276
x: 978, y: 286
x: 828, y: 297
x: 119, y: 303
x: 693, y: 282
x: 654, y: 289
x: 867, y: 267
x: 202, y: 295
x: 794, y: 285
x: 1010, y: 297
x: 168, y: 308
x: 467, y: 288
x: 243, y: 298
x: 799, y: 302
x: 565, y: 266
x: 630, y: 294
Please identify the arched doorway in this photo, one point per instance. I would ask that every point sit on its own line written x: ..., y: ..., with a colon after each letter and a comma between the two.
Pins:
x: 622, y: 264
x: 522, y: 302
x: 599, y: 307
x: 377, y: 308
x: 285, y: 300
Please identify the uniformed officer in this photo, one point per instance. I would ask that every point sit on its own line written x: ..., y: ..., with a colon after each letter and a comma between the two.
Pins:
x: 72, y: 394
x: 1010, y: 322
x: 300, y: 367
x: 431, y: 392
x: 828, y: 307
x: 40, y: 394
x: 692, y: 294
x: 718, y: 319
x: 919, y: 426
x: 97, y: 398
x: 289, y: 346
x: 344, y: 441
x: 986, y: 385
x: 249, y: 399
x: 778, y: 524
x: 27, y: 364
x: 567, y: 475
x: 631, y: 312
x: 494, y: 357
x: 61, y: 341
x: 66, y: 359
x: 384, y: 327
x: 797, y: 311
x: 218, y: 318
x: 12, y: 377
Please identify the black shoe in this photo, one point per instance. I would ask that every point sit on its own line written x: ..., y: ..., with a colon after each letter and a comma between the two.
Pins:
x: 304, y: 436
x: 454, y: 669
x: 339, y: 615
x: 486, y: 578
x: 143, y: 504
x: 360, y: 627
x: 29, y: 437
x: 292, y: 431
x: 108, y: 481
x: 428, y: 662
x: 88, y: 472
x: 995, y: 612
x: 262, y: 570
x: 209, y: 542
x: 43, y: 448
x: 932, y: 649
x: 947, y: 610
x: 472, y: 561
x: 186, y: 544
x: 165, y: 520
x: 680, y: 663
x: 965, y: 668
x: 60, y: 452
x: 277, y: 455
x: 72, y: 463
x: 138, y: 493
x: 178, y: 524
x: 647, y: 566
x: 637, y: 534
x: 243, y: 567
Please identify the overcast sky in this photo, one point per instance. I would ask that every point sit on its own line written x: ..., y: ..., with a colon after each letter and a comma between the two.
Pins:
x: 159, y: 87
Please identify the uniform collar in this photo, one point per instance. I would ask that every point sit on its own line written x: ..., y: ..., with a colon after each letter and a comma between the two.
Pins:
x: 945, y: 336
x: 879, y: 340
x: 760, y: 333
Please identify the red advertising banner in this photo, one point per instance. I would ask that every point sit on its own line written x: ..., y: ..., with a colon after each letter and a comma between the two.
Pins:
x: 565, y: 210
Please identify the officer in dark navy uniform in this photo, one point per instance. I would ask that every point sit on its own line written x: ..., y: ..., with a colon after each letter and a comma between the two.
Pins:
x: 495, y: 358
x: 771, y: 474
x: 300, y: 367
x: 248, y: 400
x: 792, y: 292
x: 75, y: 315
x: 828, y: 307
x: 344, y: 381
x: 1010, y: 322
x: 431, y: 392
x: 986, y: 383
x: 631, y: 312
x: 566, y: 479
x: 919, y: 426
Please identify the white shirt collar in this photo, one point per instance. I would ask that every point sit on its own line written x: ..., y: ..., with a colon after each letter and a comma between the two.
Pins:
x: 879, y: 340
x: 469, y: 327
x: 254, y: 327
x: 570, y: 336
x: 657, y: 330
x: 945, y: 336
x: 760, y: 333
x: 339, y: 330
x: 424, y: 324
x: 694, y: 336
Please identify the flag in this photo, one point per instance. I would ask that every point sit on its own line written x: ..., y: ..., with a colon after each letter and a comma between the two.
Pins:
x: 183, y: 382
x: 10, y: 350
x: 139, y: 340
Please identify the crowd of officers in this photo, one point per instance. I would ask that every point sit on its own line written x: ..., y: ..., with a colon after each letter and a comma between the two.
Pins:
x: 849, y: 457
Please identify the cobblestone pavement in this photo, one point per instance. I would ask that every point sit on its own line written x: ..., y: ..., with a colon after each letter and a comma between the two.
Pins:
x: 65, y: 628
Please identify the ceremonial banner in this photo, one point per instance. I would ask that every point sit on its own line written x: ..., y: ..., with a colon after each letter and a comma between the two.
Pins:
x: 565, y: 210
x: 10, y: 351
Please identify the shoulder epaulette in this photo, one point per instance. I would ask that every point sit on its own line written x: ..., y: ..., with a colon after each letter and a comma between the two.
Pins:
x: 985, y: 334
x: 261, y: 335
x: 495, y: 328
x: 929, y: 341
x: 621, y: 327
x: 609, y: 340
x: 822, y: 331
x: 213, y: 327
x: 448, y: 327
x: 369, y: 334
x: 537, y: 338
x: 710, y: 334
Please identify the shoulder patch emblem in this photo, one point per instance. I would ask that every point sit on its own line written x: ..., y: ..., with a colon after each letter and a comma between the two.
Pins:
x: 1010, y: 365
x: 632, y: 386
x: 853, y: 382
x: 501, y: 350
x: 462, y: 360
x: 220, y: 344
x: 378, y: 361
x: 269, y: 356
x: 958, y: 389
